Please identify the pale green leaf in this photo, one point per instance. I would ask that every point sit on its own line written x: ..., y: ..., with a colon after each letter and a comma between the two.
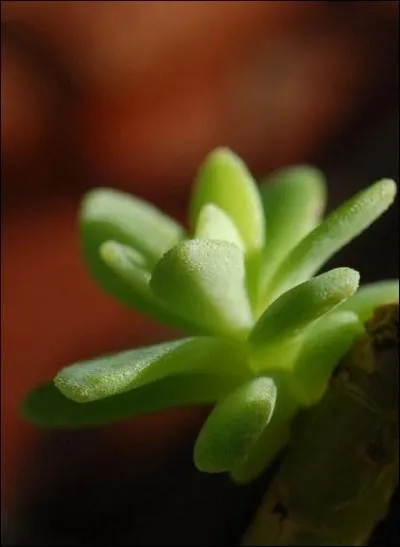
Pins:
x: 224, y: 180
x: 338, y: 229
x: 46, y: 406
x: 234, y: 426
x: 274, y: 437
x: 214, y: 223
x: 204, y: 281
x: 108, y: 214
x: 112, y: 374
x: 127, y: 264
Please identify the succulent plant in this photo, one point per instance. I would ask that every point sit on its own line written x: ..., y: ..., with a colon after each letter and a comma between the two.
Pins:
x: 265, y: 331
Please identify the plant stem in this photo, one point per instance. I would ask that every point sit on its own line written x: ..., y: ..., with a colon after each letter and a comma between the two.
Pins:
x: 340, y: 471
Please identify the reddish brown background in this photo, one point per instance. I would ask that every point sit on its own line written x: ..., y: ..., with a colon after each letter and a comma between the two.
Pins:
x: 133, y: 95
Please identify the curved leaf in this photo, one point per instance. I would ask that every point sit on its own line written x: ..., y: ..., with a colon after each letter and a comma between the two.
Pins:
x: 234, y: 426
x: 224, y: 180
x: 338, y: 229
x: 126, y: 263
x: 294, y: 201
x: 46, y: 406
x: 274, y: 437
x: 107, y: 214
x: 203, y: 281
x: 112, y: 374
x: 214, y: 223
x: 325, y: 344
x: 272, y: 441
x: 296, y: 309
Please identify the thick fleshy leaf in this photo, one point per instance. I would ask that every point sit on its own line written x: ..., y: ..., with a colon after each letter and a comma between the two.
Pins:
x: 204, y: 281
x: 274, y: 437
x: 338, y: 229
x: 325, y: 344
x: 46, y: 406
x: 272, y: 441
x: 214, y: 223
x: 112, y: 374
x: 294, y: 200
x: 225, y: 181
x: 129, y: 266
x: 107, y: 214
x: 370, y: 296
x: 234, y: 426
x: 288, y: 316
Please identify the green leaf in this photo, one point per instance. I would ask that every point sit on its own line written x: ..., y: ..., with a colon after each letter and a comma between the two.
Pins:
x: 234, y: 426
x: 214, y: 223
x: 111, y: 215
x: 294, y: 201
x: 324, y: 346
x: 225, y: 181
x: 338, y: 229
x: 274, y: 437
x: 371, y: 296
x: 47, y: 407
x: 204, y: 281
x: 272, y: 441
x: 112, y: 374
x: 288, y: 316
x: 128, y: 265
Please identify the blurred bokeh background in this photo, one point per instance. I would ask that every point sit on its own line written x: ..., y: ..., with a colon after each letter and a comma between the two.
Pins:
x: 133, y: 95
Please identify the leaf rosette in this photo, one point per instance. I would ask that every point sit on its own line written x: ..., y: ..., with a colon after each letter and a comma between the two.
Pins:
x: 265, y: 332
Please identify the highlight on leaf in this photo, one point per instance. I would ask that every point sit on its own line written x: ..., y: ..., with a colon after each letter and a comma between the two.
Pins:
x: 113, y: 374
x: 204, y: 281
x: 47, y: 407
x: 214, y: 223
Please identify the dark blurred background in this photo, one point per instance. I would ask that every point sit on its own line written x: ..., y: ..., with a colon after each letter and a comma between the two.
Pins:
x: 133, y: 95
